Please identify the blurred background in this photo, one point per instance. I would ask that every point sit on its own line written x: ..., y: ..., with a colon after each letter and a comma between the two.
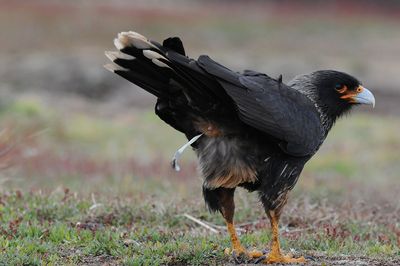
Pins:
x: 81, y: 148
x: 66, y: 121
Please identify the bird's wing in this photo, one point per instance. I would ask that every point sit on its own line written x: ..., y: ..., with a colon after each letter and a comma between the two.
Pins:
x: 271, y: 107
x: 187, y: 95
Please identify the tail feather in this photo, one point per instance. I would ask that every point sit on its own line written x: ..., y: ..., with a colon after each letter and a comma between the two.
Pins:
x: 113, y: 68
x: 183, y: 89
x: 114, y: 55
x: 166, y: 63
x: 140, y: 77
x: 132, y: 39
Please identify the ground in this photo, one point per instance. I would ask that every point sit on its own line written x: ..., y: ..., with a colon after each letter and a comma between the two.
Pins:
x: 85, y: 176
x: 77, y: 189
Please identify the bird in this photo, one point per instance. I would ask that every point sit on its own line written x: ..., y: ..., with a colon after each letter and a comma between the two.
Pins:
x: 247, y: 129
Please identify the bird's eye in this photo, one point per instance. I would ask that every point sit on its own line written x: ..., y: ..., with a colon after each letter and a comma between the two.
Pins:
x: 340, y: 88
x: 359, y: 89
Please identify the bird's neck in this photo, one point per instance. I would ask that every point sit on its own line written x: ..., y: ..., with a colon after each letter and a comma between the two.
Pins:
x: 329, y: 111
x: 327, y: 118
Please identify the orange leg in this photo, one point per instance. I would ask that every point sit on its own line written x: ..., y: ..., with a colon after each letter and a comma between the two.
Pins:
x: 227, y: 208
x: 237, y: 246
x: 275, y: 256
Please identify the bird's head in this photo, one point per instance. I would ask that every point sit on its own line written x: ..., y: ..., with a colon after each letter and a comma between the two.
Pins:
x: 334, y: 92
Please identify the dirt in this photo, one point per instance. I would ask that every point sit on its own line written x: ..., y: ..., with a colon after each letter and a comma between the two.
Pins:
x: 322, y: 260
x: 352, y: 260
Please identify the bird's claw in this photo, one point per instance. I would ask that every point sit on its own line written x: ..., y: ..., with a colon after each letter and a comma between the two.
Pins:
x: 240, y: 257
x: 264, y: 256
x: 243, y: 256
x: 260, y: 259
x: 283, y: 259
x: 236, y: 257
x: 289, y: 255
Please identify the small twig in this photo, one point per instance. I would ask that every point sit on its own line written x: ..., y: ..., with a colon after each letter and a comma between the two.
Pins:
x: 221, y: 227
x: 286, y: 230
x: 93, y: 198
x: 246, y: 224
x: 201, y: 223
x: 224, y: 228
x: 38, y: 133
x: 328, y: 217
x: 250, y: 223
x: 95, y: 204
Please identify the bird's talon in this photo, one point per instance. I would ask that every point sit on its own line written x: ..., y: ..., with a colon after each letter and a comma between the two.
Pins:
x: 255, y: 254
x: 243, y: 256
x: 310, y: 258
x: 235, y: 257
x: 284, y: 259
x: 258, y: 260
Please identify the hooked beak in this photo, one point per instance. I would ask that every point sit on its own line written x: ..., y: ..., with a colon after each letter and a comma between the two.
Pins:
x: 364, y: 97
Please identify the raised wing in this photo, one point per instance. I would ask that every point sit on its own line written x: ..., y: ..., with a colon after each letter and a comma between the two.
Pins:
x: 271, y: 107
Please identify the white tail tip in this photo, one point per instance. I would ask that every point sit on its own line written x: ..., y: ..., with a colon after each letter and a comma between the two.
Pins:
x: 113, y: 68
x: 131, y: 38
x: 112, y: 55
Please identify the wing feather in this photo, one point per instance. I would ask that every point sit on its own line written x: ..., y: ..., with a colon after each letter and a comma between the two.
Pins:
x: 271, y: 107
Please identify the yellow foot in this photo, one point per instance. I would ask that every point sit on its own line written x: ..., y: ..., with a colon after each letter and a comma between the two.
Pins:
x: 279, y: 258
x: 255, y: 254
x: 241, y: 255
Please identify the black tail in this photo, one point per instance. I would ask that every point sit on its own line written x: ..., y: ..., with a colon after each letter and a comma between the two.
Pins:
x: 183, y: 89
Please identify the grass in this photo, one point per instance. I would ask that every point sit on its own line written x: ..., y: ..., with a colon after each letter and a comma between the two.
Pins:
x: 66, y: 228
x: 53, y: 231
x: 84, y: 189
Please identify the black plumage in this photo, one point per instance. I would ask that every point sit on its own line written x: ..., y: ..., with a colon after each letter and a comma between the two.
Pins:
x: 258, y: 132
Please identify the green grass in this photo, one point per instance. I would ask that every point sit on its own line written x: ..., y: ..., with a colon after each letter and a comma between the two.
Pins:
x: 82, y: 189
x: 62, y: 228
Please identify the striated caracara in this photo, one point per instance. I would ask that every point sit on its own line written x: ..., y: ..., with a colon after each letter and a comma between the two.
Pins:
x: 247, y: 129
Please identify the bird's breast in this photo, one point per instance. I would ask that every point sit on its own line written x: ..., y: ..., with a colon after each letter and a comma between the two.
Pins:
x: 227, y: 161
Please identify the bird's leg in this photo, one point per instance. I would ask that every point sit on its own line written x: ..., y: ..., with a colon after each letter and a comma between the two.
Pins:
x: 236, y: 245
x: 275, y: 255
x: 237, y: 248
x: 227, y: 208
